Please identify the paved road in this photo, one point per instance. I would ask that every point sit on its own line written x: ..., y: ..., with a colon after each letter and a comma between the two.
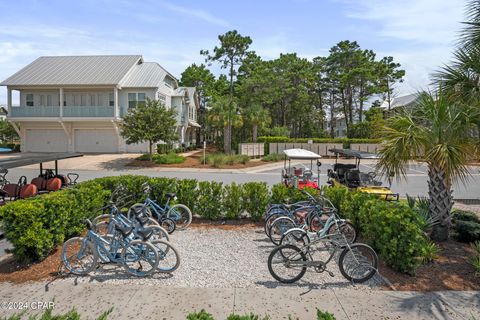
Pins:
x: 416, y: 183
x: 139, y: 301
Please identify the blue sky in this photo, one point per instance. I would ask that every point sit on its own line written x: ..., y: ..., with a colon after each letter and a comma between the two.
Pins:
x: 420, y: 34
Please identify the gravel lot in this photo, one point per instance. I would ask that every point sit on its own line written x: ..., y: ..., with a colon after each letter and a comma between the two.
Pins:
x: 218, y: 258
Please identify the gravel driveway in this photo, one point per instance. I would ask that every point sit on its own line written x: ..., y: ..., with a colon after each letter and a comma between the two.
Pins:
x: 218, y: 258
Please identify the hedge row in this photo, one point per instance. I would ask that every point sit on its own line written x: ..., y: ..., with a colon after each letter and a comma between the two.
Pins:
x: 393, y: 229
x: 36, y: 226
x: 346, y: 141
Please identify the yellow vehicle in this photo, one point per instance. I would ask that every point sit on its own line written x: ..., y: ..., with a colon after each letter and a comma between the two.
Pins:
x: 349, y: 175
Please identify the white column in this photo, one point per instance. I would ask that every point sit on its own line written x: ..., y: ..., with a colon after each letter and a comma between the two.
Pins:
x: 9, y: 100
x: 60, y: 97
x: 115, y: 98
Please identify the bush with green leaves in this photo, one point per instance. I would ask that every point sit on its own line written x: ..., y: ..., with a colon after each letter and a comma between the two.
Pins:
x: 232, y: 200
x: 323, y: 315
x: 393, y: 229
x: 209, y: 201
x: 48, y: 315
x: 201, y: 315
x: 475, y: 259
x: 273, y: 157
x: 256, y: 197
x: 218, y: 159
x: 166, y: 158
x: 466, y: 225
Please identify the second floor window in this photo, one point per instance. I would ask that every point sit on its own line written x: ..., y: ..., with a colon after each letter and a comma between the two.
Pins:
x: 135, y: 98
x: 29, y: 100
x: 111, y: 102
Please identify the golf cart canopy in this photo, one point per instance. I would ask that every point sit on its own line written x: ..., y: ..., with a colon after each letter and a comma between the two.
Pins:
x: 355, y: 154
x: 20, y: 160
x: 301, y: 154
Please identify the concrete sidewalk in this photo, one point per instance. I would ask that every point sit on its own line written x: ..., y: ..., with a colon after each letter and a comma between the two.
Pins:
x: 154, y: 302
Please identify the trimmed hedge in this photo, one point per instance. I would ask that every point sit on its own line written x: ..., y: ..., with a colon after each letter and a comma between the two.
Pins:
x: 393, y: 229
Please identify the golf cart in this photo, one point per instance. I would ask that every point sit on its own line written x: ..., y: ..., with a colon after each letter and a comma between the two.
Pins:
x: 301, y: 176
x: 349, y: 175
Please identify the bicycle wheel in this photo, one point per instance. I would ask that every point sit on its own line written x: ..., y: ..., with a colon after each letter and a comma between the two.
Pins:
x: 169, y: 259
x: 358, y: 262
x: 279, y: 227
x: 78, y: 256
x: 140, y: 258
x: 102, y: 218
x: 346, y: 229
x: 159, y: 233
x: 181, y: 214
x: 287, y: 263
x: 169, y: 225
x: 270, y: 219
x: 137, y: 208
x: 296, y: 237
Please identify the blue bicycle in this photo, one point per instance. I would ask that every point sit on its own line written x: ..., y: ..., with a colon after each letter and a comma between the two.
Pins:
x: 179, y: 213
x: 80, y: 255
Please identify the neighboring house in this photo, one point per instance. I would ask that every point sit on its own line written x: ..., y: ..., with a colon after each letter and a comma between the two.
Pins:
x: 75, y: 103
x: 339, y: 126
x: 400, y: 102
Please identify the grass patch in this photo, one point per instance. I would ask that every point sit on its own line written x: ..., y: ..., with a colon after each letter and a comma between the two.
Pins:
x: 217, y: 160
x: 167, y: 158
x: 273, y: 157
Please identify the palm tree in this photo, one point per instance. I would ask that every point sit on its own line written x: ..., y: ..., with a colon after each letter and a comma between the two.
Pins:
x: 258, y: 117
x: 439, y: 132
x: 219, y: 115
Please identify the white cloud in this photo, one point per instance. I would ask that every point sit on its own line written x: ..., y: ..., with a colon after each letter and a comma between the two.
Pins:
x: 195, y: 13
x: 423, y: 33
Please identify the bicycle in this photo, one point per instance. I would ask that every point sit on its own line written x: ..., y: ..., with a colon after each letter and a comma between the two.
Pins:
x: 140, y: 258
x: 179, y: 213
x: 357, y: 262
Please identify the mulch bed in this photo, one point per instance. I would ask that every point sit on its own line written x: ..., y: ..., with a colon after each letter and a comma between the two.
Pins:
x: 450, y: 271
x: 194, y: 161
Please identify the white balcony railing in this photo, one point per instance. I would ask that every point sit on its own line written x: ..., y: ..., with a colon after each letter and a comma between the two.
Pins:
x: 68, y: 112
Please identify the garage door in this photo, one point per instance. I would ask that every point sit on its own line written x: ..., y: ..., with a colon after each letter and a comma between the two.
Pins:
x: 46, y: 140
x: 96, y: 141
x: 137, y: 147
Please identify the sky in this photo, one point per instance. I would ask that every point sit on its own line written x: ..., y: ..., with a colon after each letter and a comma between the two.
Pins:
x: 419, y: 34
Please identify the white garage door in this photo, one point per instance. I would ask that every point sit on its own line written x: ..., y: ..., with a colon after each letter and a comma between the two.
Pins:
x: 96, y: 141
x: 137, y: 147
x: 46, y: 140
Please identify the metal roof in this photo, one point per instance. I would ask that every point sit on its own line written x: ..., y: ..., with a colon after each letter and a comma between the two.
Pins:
x: 355, y: 154
x: 74, y: 70
x: 145, y: 75
x: 301, y: 154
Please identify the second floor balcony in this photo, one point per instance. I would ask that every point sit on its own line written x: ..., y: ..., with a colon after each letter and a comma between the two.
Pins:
x: 66, y: 112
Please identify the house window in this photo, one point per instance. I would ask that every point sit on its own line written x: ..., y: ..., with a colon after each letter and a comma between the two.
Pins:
x: 42, y: 100
x: 162, y: 98
x: 92, y: 100
x: 83, y: 100
x: 135, y: 98
x: 111, y: 103
x: 29, y: 100
x: 49, y: 100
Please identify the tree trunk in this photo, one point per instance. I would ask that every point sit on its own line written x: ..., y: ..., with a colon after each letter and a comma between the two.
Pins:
x: 332, y: 111
x: 441, y: 202
x: 150, y: 153
x: 254, y: 134
x: 226, y: 148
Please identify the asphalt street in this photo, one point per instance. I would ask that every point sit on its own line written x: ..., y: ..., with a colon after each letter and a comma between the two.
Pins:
x: 414, y: 184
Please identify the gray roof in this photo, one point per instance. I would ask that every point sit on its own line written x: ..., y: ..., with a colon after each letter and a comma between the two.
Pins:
x: 145, y: 75
x: 74, y: 70
x: 403, y: 101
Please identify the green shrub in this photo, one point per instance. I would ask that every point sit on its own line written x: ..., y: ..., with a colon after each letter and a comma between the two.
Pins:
x: 47, y: 315
x: 217, y: 159
x: 323, y: 315
x: 210, y: 196
x: 202, y: 315
x: 273, y: 157
x: 232, y: 200
x: 475, y: 259
x: 250, y: 316
x: 393, y: 229
x: 167, y: 158
x: 465, y: 216
x: 255, y: 199
x: 467, y: 231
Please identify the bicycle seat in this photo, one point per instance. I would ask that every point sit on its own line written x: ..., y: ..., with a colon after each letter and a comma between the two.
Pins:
x: 170, y: 195
x: 145, y: 233
x: 126, y: 231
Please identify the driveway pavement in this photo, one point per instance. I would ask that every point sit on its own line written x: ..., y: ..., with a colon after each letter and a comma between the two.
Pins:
x: 139, y: 301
